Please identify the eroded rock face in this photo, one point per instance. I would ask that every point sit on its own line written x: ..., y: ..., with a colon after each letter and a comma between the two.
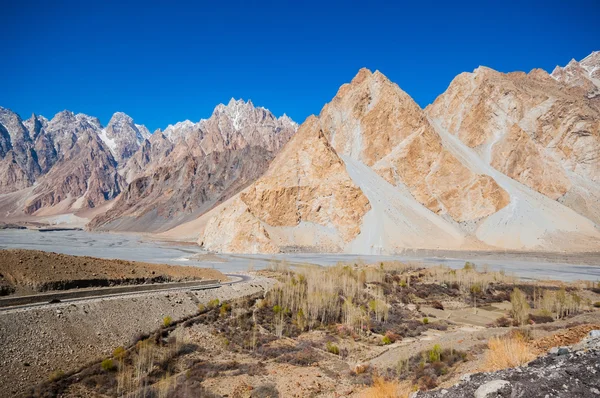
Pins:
x: 518, y: 156
x: 85, y: 177
x: 307, y: 183
x: 18, y: 163
x: 493, y: 163
x: 541, y: 130
x: 191, y: 167
x: 123, y: 137
x: 374, y: 121
x: 584, y: 74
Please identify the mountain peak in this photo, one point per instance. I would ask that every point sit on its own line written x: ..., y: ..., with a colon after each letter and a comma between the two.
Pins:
x: 121, y: 118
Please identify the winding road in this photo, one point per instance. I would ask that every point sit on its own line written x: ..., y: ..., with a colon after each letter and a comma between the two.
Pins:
x: 79, y: 295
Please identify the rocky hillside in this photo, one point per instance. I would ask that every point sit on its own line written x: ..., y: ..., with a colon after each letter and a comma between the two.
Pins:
x: 55, y: 166
x: 506, y: 161
x: 564, y: 372
x: 72, y: 164
x: 186, y: 170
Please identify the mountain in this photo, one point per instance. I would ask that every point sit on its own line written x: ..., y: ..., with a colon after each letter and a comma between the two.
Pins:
x: 584, y: 74
x: 72, y: 165
x: 498, y: 161
x: 189, y: 168
x: 123, y: 137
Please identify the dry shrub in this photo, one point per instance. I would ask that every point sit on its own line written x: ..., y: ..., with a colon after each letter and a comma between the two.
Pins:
x: 386, y: 389
x: 507, y: 352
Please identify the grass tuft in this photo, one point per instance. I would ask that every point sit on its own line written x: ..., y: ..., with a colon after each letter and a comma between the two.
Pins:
x: 507, y: 352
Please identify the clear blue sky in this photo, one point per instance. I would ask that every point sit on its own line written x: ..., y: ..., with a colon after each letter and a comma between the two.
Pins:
x: 162, y: 62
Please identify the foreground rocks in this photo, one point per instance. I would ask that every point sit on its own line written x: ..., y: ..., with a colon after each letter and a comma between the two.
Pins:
x: 564, y: 372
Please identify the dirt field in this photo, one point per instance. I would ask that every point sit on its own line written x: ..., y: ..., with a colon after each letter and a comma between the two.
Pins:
x: 30, y: 271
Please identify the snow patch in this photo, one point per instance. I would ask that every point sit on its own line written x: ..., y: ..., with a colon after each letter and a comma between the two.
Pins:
x: 110, y: 142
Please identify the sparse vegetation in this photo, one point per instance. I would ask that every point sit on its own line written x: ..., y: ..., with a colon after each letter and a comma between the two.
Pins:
x: 332, y: 348
x: 507, y: 352
x: 344, y: 310
x: 108, y: 365
x: 382, y: 388
x: 56, y: 375
x: 167, y: 321
x: 520, y: 307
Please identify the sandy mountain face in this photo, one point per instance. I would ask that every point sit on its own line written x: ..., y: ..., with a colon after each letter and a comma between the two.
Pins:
x: 505, y: 161
x: 186, y: 170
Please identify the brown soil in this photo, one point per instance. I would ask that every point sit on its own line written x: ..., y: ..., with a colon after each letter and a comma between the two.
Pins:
x: 30, y: 271
x: 568, y: 337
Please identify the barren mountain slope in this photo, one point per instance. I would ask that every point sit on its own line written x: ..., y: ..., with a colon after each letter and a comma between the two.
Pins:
x: 175, y: 179
x: 62, y: 165
x: 305, y: 199
x: 483, y: 167
x: 532, y: 127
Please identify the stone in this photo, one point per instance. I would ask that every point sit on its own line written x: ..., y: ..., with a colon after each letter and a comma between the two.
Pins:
x: 490, y: 388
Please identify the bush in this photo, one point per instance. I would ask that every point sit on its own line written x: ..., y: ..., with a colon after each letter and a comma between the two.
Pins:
x: 507, y: 352
x: 502, y: 322
x: 167, y: 321
x: 597, y: 304
x: 435, y: 354
x: 386, y: 340
x: 108, y: 365
x: 425, y: 321
x: 333, y: 349
x: 540, y: 318
x: 213, y: 303
x: 56, y: 375
x: 437, y: 305
x: 382, y: 388
x: 225, y: 308
x: 119, y: 352
x: 392, y: 336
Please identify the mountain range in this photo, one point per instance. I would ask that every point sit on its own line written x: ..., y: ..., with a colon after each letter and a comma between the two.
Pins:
x: 121, y: 177
x: 499, y: 161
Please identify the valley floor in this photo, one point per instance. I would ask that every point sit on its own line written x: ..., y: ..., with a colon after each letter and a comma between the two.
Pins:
x: 362, y: 328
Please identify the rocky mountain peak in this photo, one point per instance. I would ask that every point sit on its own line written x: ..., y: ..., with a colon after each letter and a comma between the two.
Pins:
x: 122, y: 136
x: 14, y: 125
x: 584, y: 74
x: 34, y: 125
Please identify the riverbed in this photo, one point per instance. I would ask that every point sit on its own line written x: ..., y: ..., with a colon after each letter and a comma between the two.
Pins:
x: 142, y: 248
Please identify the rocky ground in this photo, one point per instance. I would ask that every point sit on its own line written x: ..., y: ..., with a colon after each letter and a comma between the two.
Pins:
x: 570, y: 371
x: 261, y: 347
x: 56, y: 338
x: 30, y: 271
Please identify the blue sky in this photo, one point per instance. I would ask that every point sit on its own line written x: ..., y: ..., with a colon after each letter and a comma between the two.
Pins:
x: 163, y: 62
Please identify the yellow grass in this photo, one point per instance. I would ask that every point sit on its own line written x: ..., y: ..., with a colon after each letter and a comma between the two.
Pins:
x: 387, y: 389
x: 507, y: 352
